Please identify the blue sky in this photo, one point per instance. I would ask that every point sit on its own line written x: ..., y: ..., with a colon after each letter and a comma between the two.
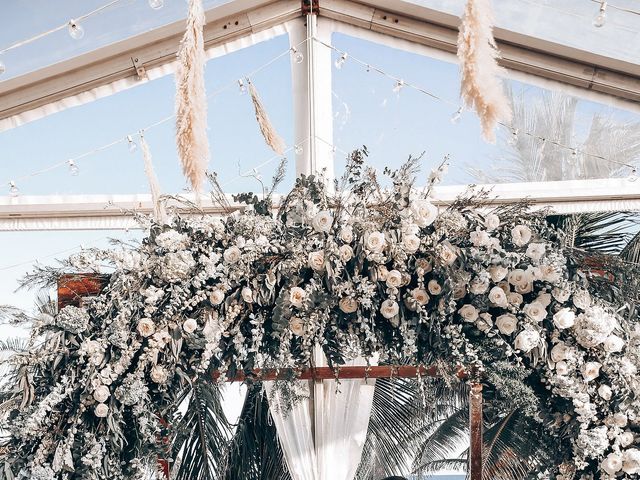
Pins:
x: 393, y: 126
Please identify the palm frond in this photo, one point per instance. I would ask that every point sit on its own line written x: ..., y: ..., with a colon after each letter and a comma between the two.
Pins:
x: 631, y: 251
x: 202, y: 435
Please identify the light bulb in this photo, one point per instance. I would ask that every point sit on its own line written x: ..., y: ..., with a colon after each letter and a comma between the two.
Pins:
x: 73, y: 168
x: 601, y: 17
x: 242, y: 87
x: 455, y: 118
x: 13, y: 190
x: 398, y: 86
x: 2, y: 67
x: 75, y: 30
x: 156, y: 4
x: 298, y: 57
x: 341, y: 61
x: 513, y: 139
x: 633, y: 176
x: 298, y: 149
x: 133, y: 146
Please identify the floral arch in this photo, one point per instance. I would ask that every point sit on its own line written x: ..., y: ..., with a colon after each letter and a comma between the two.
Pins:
x: 357, y: 268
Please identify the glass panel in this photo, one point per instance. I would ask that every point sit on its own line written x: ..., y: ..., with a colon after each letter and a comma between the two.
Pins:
x: 397, y: 122
x: 569, y: 22
x: 234, y: 135
x: 23, y: 20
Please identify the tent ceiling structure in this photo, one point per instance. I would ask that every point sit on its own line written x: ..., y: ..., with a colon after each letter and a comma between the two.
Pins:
x: 150, y: 55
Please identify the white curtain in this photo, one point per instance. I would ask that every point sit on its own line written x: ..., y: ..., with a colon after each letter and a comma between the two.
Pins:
x: 338, y: 412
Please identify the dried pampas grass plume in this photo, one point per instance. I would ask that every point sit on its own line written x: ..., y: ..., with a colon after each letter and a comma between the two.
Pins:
x: 159, y: 213
x: 266, y: 127
x: 191, y: 99
x: 481, y: 89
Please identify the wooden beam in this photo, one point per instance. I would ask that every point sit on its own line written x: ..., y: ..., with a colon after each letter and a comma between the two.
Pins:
x: 475, y: 430
x: 73, y: 288
x: 341, y: 373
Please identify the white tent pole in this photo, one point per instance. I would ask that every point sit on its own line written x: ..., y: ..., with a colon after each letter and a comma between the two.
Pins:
x: 311, y: 82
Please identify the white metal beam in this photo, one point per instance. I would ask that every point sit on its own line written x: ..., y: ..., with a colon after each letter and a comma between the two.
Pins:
x: 108, y: 212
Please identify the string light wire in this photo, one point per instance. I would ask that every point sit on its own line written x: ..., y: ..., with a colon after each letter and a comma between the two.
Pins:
x: 399, y: 81
x: 29, y: 40
x: 617, y: 7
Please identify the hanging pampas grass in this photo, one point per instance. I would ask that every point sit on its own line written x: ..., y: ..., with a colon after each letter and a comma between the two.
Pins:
x: 191, y: 99
x: 481, y: 88
x: 159, y: 213
x: 266, y: 127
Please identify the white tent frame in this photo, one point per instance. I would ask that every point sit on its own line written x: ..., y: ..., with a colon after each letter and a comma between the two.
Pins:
x: 152, y: 54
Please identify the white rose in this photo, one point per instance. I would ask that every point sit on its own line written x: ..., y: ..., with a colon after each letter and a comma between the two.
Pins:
x: 631, y: 461
x: 420, y: 296
x: 535, y: 311
x: 582, y: 299
x: 605, y: 392
x: 102, y: 410
x: 101, y: 394
x: 518, y: 277
x: 524, y: 288
x: 375, y: 242
x: 497, y: 273
x: 561, y: 294
x: 491, y: 222
x: 559, y: 352
x: 394, y: 279
x: 468, y: 312
x: 231, y: 254
x: 146, y: 327
x: 564, y: 318
x: 159, y: 375
x: 190, y: 325
x: 612, y: 463
x: 447, y: 254
x: 480, y: 238
x: 411, y: 243
x: 348, y: 304
x: 590, y: 370
x: 506, y: 323
x: 216, y: 297
x: 484, y: 322
x: 626, y: 439
x: 296, y: 325
x: 346, y: 234
x: 322, y: 221
x: 544, y: 299
x: 613, y: 344
x: 346, y: 253
x: 535, y: 251
x: 498, y: 297
x: 297, y: 296
x: 459, y: 291
x: 562, y: 368
x: 527, y: 340
x: 241, y: 242
x: 515, y: 298
x: 550, y: 273
x: 434, y: 287
x: 620, y: 420
x: 520, y: 235
x: 424, y: 212
x: 389, y: 308
x: 316, y: 260
x: 626, y: 367
x: 247, y: 294
x: 478, y: 285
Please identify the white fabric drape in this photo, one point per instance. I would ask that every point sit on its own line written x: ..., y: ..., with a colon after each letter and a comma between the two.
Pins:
x: 338, y: 416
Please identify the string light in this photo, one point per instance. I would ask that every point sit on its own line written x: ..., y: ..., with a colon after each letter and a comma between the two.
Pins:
x: 341, y: 61
x: 399, y: 85
x: 131, y: 144
x: 298, y: 57
x: 2, y: 67
x: 601, y: 17
x: 455, y: 117
x: 13, y: 190
x: 73, y: 168
x: 513, y: 139
x: 242, y: 87
x: 633, y: 176
x: 156, y: 4
x: 75, y: 29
